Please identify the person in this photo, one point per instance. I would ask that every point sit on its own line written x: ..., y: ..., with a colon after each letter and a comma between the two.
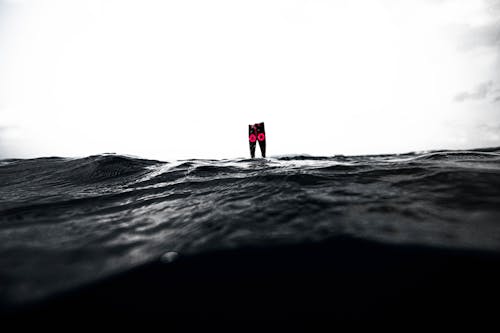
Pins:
x: 256, y: 132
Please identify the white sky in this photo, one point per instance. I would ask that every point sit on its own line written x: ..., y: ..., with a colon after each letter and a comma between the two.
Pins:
x: 183, y: 79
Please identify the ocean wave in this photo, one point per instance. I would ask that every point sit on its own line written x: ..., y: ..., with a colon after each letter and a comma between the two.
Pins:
x: 87, y: 218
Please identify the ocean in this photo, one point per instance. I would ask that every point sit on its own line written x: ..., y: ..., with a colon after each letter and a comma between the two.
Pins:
x: 285, y: 237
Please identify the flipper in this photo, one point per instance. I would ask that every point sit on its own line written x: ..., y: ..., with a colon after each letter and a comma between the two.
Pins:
x: 252, y: 137
x: 257, y: 132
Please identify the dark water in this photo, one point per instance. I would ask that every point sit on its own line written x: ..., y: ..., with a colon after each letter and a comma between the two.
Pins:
x: 65, y: 223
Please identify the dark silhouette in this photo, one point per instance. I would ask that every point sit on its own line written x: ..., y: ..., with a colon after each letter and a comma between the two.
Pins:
x: 257, y: 132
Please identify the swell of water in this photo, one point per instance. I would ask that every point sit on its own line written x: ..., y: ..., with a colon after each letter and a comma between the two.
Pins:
x: 66, y: 222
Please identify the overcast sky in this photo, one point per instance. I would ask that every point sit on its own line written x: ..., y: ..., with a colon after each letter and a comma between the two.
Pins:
x: 183, y: 79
